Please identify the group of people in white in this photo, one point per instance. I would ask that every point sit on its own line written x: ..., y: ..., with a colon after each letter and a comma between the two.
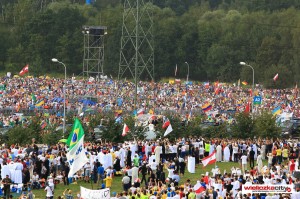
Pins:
x: 257, y: 162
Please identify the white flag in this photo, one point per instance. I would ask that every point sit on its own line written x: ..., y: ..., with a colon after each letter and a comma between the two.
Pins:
x: 169, y: 130
x: 76, y: 157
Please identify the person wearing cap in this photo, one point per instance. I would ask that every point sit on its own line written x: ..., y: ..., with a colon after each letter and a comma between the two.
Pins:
x: 154, y: 195
x: 113, y: 195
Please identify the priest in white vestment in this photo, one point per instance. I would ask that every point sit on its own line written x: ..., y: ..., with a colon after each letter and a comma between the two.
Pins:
x: 226, y: 154
x: 5, y: 171
x: 219, y: 153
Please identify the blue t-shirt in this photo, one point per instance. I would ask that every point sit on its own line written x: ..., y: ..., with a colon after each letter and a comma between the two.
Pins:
x: 100, y: 170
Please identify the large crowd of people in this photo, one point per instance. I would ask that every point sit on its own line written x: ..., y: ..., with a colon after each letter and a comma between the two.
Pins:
x: 149, y: 169
x: 26, y: 93
x: 153, y: 169
x: 46, y: 95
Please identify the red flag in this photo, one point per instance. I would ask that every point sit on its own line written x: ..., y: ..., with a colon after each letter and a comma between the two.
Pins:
x: 209, y: 159
x: 275, y: 77
x: 166, y: 122
x: 125, y: 130
x: 177, y: 81
x: 199, y: 188
x: 24, y: 70
x: 247, y: 110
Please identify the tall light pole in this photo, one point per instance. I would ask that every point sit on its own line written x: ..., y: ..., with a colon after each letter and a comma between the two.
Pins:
x: 244, y: 64
x: 64, y: 92
x: 187, y: 77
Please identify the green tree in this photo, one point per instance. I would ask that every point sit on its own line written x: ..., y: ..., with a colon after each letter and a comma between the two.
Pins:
x: 265, y: 126
x: 244, y: 127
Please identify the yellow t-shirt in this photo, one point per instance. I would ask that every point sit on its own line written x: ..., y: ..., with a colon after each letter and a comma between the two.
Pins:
x: 278, y: 152
x: 108, y: 182
x: 285, y: 153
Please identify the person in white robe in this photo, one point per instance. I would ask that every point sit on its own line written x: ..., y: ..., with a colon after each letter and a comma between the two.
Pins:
x: 135, y: 173
x: 255, y: 150
x: 235, y: 150
x: 211, y: 149
x: 226, y: 154
x: 18, y: 173
x: 259, y: 163
x: 157, y: 151
x: 122, y: 157
x: 146, y: 149
x: 236, y: 186
x: 12, y: 168
x: 219, y: 153
x: 133, y: 148
x: 109, y: 160
x: 5, y: 171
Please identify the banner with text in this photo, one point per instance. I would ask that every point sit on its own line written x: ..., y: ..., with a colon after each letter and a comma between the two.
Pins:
x: 255, y: 188
x: 94, y: 194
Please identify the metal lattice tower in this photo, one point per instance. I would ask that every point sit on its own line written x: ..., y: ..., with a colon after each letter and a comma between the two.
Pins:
x: 137, y: 52
x: 93, y: 57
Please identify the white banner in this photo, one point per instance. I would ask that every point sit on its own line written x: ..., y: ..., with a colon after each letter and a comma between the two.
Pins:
x: 76, y: 157
x: 191, y: 164
x: 94, y: 194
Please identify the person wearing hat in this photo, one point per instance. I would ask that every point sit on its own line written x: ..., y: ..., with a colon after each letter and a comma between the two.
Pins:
x: 154, y: 195
x: 113, y: 195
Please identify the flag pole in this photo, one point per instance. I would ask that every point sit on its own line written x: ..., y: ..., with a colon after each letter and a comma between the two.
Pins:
x: 92, y: 181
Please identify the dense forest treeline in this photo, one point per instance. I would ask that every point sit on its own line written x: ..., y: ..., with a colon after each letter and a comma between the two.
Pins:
x: 213, y: 36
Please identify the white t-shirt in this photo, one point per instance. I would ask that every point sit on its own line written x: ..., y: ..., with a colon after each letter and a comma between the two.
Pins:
x: 201, y: 151
x: 49, y: 191
x: 35, y: 178
x: 244, y: 159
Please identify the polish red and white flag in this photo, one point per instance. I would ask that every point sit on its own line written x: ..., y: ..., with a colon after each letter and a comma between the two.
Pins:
x: 24, y: 70
x: 125, y: 130
x: 209, y: 159
x: 275, y: 77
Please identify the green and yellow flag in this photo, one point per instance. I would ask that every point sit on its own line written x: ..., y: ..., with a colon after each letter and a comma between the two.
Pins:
x: 76, y: 134
x: 33, y: 97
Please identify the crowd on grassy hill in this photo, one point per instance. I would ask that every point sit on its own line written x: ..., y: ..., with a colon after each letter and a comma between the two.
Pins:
x: 218, y: 101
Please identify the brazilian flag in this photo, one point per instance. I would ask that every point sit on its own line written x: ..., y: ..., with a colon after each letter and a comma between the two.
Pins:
x: 76, y: 134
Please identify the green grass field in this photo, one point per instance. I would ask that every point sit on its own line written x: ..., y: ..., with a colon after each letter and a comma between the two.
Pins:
x: 117, y: 185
